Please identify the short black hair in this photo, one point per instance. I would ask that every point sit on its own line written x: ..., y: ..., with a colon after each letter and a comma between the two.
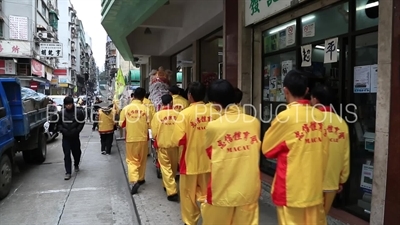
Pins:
x: 323, y: 93
x: 139, y: 93
x: 174, y: 90
x: 197, y: 90
x: 132, y: 95
x: 147, y: 95
x: 166, y: 99
x: 68, y: 100
x: 221, y: 92
x: 238, y: 95
x: 296, y: 82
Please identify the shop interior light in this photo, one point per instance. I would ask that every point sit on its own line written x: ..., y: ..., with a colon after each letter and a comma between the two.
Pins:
x: 367, y: 6
x: 305, y: 19
x: 322, y: 47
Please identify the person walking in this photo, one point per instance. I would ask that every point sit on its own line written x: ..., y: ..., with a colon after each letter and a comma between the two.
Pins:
x: 179, y: 102
x: 95, y: 111
x: 194, y: 166
x: 70, y: 124
x: 297, y: 138
x: 233, y: 146
x: 338, y: 168
x: 134, y: 117
x: 162, y: 126
x: 106, y: 120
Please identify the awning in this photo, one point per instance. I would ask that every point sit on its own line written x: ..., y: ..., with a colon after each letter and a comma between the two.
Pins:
x: 32, y: 78
x: 60, y: 72
x: 135, y: 75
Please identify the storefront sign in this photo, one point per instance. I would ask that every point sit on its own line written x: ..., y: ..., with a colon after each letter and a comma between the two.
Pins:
x: 51, y: 50
x: 15, y: 49
x: 331, y: 50
x: 37, y: 68
x: 7, y: 67
x: 258, y: 10
x: 309, y: 30
x: 306, y: 55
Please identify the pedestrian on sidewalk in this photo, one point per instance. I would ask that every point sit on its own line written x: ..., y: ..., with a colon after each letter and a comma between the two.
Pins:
x: 135, y: 118
x: 297, y: 138
x: 162, y: 126
x: 232, y: 142
x: 70, y: 124
x: 107, y: 125
x: 95, y: 112
x: 233, y: 146
x: 338, y: 168
x: 194, y: 165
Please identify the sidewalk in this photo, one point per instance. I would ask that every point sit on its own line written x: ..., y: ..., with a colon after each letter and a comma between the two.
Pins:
x: 154, y: 208
x: 99, y: 192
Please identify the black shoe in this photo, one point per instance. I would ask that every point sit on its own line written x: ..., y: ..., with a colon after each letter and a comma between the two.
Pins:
x: 141, y: 182
x: 173, y: 198
x: 76, y: 169
x: 67, y: 176
x: 135, y: 188
x: 165, y: 189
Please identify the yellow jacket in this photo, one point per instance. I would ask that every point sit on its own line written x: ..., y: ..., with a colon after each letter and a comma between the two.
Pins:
x: 106, y: 120
x: 162, y: 126
x: 135, y: 118
x: 189, y: 132
x: 233, y: 145
x: 300, y: 144
x: 179, y: 103
x: 338, y: 168
x: 150, y: 107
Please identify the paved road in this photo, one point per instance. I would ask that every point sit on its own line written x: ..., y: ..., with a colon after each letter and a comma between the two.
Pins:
x: 98, y: 194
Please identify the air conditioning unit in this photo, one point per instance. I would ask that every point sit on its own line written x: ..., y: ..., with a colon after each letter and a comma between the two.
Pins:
x: 42, y: 35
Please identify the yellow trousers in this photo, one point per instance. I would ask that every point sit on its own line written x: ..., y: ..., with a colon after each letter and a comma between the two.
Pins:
x: 329, y: 197
x: 213, y: 215
x: 314, y: 215
x: 168, y: 159
x: 180, y: 154
x: 193, y: 189
x: 136, y: 159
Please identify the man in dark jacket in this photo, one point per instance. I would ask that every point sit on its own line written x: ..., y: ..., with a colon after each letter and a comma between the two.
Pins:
x: 70, y: 124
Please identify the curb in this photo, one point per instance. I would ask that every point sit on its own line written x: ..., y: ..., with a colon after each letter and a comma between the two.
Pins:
x: 127, y: 182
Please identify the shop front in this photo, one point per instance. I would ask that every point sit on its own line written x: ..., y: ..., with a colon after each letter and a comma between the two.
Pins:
x: 335, y: 44
x: 65, y: 87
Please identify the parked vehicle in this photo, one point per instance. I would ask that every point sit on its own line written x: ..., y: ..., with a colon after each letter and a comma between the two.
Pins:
x: 58, y: 101
x: 19, y: 132
x: 50, y: 127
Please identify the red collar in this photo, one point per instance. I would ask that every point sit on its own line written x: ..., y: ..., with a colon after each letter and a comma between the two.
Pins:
x: 166, y: 107
x: 303, y: 102
x: 325, y: 109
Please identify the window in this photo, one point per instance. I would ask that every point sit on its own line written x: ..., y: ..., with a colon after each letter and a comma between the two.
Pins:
x: 44, y: 10
x: 1, y: 28
x: 324, y: 24
x: 367, y: 13
x: 278, y: 38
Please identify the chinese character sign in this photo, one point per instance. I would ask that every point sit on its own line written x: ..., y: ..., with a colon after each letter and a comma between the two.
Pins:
x: 331, y: 50
x: 51, y: 50
x: 306, y: 54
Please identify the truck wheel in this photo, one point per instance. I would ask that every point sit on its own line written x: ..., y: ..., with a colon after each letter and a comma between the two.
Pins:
x: 40, y: 153
x: 5, y: 176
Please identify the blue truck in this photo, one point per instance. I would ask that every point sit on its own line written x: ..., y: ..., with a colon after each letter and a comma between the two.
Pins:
x: 19, y: 132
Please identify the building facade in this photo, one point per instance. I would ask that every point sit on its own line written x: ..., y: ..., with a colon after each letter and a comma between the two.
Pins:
x: 24, y: 26
x: 254, y: 43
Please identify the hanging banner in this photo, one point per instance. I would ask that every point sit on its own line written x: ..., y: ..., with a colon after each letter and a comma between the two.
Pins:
x: 331, y: 50
x: 290, y: 35
x: 306, y: 54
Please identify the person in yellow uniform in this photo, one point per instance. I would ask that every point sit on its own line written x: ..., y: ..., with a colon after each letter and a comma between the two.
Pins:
x: 233, y: 146
x: 194, y: 165
x: 238, y: 99
x: 134, y: 117
x: 180, y: 103
x: 162, y: 126
x: 338, y: 168
x: 106, y: 118
x: 297, y: 139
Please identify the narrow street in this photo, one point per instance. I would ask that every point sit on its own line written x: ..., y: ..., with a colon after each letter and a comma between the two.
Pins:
x: 98, y: 194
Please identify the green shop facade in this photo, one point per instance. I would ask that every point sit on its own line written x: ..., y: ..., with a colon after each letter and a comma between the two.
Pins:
x: 336, y: 43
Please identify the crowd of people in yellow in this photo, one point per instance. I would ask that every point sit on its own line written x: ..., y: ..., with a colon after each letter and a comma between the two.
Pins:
x: 217, y: 147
